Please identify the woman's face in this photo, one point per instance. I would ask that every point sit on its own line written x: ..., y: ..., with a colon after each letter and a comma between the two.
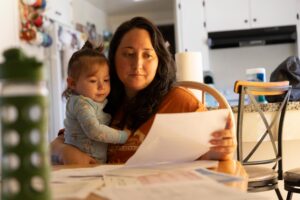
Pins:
x: 136, y: 61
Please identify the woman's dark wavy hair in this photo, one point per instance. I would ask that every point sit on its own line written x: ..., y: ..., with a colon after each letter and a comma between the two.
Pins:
x: 139, y: 109
x: 83, y: 60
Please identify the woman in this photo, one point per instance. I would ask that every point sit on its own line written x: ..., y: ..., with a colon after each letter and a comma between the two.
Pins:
x: 142, y: 75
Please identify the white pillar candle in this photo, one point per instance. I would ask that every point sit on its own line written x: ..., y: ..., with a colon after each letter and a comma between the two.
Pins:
x: 189, y: 66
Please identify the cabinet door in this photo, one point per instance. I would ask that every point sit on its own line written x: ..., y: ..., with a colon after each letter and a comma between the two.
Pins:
x: 191, y: 34
x: 60, y: 11
x: 267, y: 13
x: 223, y: 15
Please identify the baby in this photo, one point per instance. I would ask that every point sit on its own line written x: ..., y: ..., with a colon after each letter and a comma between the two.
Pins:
x: 88, y: 85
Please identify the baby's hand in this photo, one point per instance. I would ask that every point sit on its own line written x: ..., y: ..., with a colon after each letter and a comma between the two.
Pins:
x: 128, y: 132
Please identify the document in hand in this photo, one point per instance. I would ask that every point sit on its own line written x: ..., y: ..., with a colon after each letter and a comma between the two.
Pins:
x: 179, y: 137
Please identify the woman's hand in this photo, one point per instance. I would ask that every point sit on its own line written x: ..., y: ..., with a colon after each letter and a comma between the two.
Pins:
x: 67, y: 154
x: 223, y: 142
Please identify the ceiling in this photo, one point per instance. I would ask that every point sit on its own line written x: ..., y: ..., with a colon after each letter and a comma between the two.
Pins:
x: 123, y: 7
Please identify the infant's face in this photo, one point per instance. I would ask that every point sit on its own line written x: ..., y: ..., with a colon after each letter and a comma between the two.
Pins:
x: 96, y: 85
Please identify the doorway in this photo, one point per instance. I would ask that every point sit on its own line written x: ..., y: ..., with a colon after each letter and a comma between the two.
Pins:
x: 169, y: 36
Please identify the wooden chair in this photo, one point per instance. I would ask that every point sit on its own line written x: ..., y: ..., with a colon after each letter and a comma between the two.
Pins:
x: 263, y: 173
x: 206, y: 89
x: 292, y: 182
x: 221, y: 100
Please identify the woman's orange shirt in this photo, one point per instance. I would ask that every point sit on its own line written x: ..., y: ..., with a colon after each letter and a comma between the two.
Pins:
x: 176, y: 101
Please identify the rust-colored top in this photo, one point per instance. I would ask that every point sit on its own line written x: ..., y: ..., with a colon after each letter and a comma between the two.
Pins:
x: 176, y: 101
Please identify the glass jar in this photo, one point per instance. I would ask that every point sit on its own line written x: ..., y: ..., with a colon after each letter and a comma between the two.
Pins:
x: 24, y: 117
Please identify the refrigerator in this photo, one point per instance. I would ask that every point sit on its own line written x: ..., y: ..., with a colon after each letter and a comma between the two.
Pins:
x: 66, y: 40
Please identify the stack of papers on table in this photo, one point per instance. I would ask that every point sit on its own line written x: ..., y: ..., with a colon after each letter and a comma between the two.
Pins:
x: 78, y: 183
x: 189, y: 190
x: 184, y: 181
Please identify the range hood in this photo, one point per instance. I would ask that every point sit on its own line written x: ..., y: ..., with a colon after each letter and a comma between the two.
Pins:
x: 252, y: 37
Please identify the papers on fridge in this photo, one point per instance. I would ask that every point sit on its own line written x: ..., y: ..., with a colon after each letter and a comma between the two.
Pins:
x: 179, y: 137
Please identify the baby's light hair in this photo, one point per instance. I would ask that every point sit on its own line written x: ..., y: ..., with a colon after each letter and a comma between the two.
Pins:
x: 84, y: 60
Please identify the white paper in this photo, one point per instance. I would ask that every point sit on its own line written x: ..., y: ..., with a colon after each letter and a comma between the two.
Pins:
x: 180, y: 137
x: 79, y: 174
x: 217, y: 176
x: 154, y: 169
x: 157, y: 177
x: 177, y: 191
x: 76, y: 189
x: 78, y: 183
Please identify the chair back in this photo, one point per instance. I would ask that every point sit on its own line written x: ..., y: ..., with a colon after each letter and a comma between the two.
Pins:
x: 251, y: 89
x: 223, y: 103
x: 206, y: 89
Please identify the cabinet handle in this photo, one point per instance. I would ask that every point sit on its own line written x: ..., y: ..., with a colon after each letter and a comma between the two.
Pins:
x: 246, y: 20
x: 254, y: 19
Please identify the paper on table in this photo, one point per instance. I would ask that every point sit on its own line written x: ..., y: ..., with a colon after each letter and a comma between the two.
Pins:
x: 177, y: 191
x: 217, y: 176
x: 76, y: 189
x: 78, y: 183
x: 154, y: 169
x: 158, y: 177
x: 180, y: 137
x: 79, y: 174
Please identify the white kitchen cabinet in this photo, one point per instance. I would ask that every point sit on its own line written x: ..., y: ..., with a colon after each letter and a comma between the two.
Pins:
x: 267, y: 13
x: 244, y: 14
x: 191, y: 35
x: 226, y: 15
x: 60, y: 11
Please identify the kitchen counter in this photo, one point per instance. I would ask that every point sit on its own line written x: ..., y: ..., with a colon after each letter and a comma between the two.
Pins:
x: 255, y: 125
x: 269, y: 107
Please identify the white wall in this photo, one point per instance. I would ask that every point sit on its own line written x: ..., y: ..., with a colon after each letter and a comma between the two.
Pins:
x: 229, y: 65
x: 9, y: 21
x: 159, y: 18
x: 84, y: 12
x: 9, y: 25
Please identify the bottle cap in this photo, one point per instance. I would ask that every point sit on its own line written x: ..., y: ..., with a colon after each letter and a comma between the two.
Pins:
x: 19, y: 67
x: 255, y: 70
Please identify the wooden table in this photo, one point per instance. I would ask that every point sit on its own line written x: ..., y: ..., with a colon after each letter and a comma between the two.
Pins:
x: 231, y: 167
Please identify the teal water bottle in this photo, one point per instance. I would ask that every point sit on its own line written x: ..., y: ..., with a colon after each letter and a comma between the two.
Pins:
x: 25, y: 162
x: 257, y: 75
